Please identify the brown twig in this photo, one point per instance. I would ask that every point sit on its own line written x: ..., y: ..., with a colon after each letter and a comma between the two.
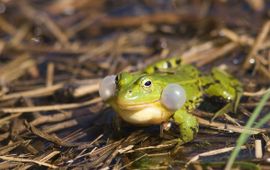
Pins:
x: 211, y: 153
x: 9, y: 158
x: 258, y: 42
x: 50, y: 107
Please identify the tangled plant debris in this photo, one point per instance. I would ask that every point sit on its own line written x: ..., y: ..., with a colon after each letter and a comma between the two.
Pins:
x: 53, y: 54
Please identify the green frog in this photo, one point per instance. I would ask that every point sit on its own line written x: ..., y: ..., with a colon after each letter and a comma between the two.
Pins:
x: 168, y: 90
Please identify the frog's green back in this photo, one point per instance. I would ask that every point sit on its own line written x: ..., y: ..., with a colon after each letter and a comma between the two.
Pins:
x: 192, y: 85
x: 164, y: 65
x: 188, y: 77
x: 221, y: 84
x: 218, y: 84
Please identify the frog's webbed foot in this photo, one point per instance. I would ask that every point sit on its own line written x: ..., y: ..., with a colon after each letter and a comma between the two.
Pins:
x: 165, y: 126
x: 188, y: 126
x: 230, y: 106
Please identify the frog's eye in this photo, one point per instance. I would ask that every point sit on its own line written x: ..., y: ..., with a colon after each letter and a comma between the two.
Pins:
x: 173, y: 97
x: 147, y: 83
x: 107, y: 87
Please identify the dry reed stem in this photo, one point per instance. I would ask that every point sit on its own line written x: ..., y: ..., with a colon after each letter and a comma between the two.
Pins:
x: 44, y: 159
x: 38, y: 17
x: 50, y: 75
x: 211, y: 153
x: 258, y: 42
x: 219, y: 52
x: 50, y: 107
x: 16, y: 68
x: 9, y: 158
x: 20, y: 35
x: 8, y: 118
x: 82, y: 40
x: 257, y: 5
x: 7, y: 27
x: 228, y: 127
x: 41, y: 92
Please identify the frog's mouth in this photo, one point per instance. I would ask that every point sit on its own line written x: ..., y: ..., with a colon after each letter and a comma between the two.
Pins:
x: 143, y: 114
x: 134, y: 107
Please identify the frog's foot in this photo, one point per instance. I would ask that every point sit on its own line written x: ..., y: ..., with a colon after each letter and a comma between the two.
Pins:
x: 188, y: 126
x: 165, y: 126
x: 222, y: 85
x: 231, y: 106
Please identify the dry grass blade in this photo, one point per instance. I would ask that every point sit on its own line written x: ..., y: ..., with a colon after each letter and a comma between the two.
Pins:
x: 54, y: 53
x: 9, y: 118
x: 161, y: 146
x: 129, y: 164
x: 258, y: 93
x: 7, y: 27
x: 6, y: 149
x: 50, y: 75
x: 219, y: 52
x: 211, y: 153
x: 51, y: 107
x: 44, y: 159
x: 51, y: 138
x: 20, y: 35
x: 32, y: 14
x: 243, y: 40
x: 258, y: 42
x: 80, y: 91
x: 15, y: 68
x: 85, y: 89
x: 9, y: 158
x: 228, y: 127
x: 40, y: 92
x: 257, y: 5
x: 264, y: 70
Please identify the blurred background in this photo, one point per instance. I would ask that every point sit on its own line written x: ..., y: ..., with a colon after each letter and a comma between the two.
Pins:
x: 53, y: 54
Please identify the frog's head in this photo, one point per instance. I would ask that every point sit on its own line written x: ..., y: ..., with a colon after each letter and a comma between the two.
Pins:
x: 140, y: 98
x: 135, y: 89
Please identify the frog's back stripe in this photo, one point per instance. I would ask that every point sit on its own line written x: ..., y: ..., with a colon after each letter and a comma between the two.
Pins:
x: 163, y: 65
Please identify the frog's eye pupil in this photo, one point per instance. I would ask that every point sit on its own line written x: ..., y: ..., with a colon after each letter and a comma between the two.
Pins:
x: 148, y: 83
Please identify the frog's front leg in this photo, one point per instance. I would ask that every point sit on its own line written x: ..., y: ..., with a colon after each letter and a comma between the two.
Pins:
x: 188, y: 125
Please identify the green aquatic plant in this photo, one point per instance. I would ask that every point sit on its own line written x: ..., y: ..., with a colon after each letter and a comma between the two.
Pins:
x: 244, y: 136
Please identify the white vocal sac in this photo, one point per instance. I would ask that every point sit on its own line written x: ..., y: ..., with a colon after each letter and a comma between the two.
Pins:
x: 173, y: 97
x: 107, y: 87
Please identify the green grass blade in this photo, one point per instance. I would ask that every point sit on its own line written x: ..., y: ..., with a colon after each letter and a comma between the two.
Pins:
x: 264, y: 120
x: 243, y: 137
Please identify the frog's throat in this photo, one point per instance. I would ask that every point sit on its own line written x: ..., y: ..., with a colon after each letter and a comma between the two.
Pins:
x: 144, y: 114
x: 129, y: 106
